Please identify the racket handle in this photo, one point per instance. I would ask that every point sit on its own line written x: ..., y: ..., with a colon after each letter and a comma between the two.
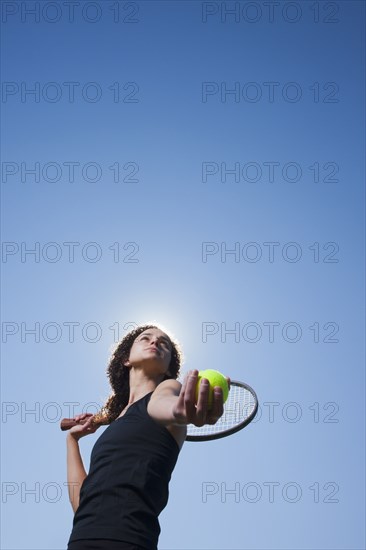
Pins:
x: 67, y: 423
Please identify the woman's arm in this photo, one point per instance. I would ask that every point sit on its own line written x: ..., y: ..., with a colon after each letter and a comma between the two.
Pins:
x: 75, y: 470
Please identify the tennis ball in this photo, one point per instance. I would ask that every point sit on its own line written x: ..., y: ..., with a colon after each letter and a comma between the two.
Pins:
x: 215, y: 378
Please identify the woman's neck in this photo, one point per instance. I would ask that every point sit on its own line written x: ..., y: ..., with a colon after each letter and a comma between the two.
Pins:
x: 141, y: 384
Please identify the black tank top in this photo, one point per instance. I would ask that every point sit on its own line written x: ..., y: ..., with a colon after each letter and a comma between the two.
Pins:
x: 127, y: 486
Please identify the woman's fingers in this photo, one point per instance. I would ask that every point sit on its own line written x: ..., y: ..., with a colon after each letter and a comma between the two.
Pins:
x: 185, y: 409
x: 217, y: 409
x: 79, y: 417
x: 84, y: 426
x: 202, y: 402
x: 190, y: 395
x: 89, y: 426
x: 179, y: 409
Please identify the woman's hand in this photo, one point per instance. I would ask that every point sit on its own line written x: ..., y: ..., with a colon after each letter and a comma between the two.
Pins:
x: 188, y: 411
x: 80, y: 430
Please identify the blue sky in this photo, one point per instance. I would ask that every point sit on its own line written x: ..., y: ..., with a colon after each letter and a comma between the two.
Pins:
x: 204, y: 170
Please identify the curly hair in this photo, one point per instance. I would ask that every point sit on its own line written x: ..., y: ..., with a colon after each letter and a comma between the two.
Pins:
x: 119, y: 374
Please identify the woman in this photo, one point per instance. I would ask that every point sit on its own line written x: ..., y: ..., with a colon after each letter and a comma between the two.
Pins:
x: 118, y: 503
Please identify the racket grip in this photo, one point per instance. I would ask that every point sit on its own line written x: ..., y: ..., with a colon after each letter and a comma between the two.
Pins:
x: 67, y: 423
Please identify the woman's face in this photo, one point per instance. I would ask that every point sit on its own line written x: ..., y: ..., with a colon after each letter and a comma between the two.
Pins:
x: 151, y: 349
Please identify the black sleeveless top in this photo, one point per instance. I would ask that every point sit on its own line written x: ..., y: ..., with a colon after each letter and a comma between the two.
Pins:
x: 127, y: 486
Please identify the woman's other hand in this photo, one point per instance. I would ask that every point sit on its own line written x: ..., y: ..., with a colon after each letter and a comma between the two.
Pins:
x: 88, y: 427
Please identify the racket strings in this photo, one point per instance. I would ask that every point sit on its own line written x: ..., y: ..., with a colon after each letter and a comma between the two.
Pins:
x: 238, y: 407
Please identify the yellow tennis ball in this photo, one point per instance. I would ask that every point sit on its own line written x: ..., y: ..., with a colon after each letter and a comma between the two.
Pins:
x: 215, y: 378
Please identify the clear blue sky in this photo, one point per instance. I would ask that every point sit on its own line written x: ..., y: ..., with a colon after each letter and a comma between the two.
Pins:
x: 205, y: 170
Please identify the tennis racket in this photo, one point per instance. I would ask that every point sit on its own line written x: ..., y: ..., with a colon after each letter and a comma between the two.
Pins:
x: 239, y: 410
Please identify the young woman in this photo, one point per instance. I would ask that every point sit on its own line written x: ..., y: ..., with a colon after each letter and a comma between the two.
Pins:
x: 118, y: 502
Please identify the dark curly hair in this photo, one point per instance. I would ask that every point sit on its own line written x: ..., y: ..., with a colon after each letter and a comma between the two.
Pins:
x: 119, y: 377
